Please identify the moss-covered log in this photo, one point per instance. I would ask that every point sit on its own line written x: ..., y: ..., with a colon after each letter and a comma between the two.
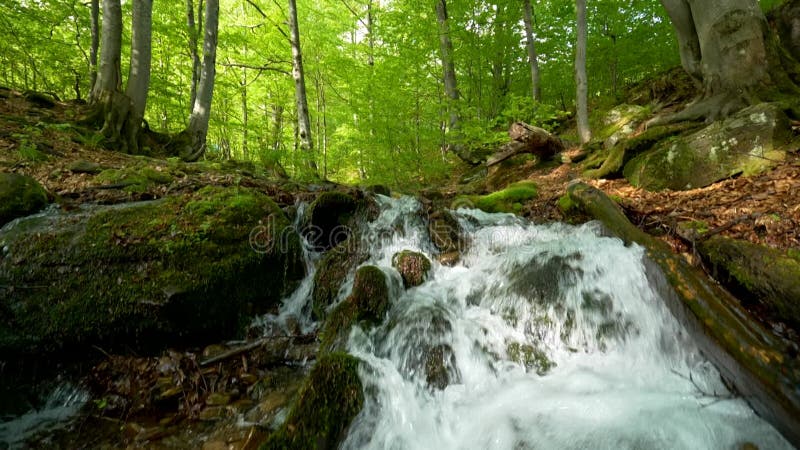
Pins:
x: 757, y: 274
x: 747, y: 355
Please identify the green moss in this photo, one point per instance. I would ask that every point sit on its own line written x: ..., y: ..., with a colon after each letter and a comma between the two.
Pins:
x: 757, y: 274
x: 565, y: 204
x: 337, y: 326
x: 148, y: 274
x: 328, y: 401
x: 370, y: 294
x: 137, y: 180
x: 508, y: 200
x: 20, y: 195
x: 331, y: 273
x: 530, y: 357
x: 413, y: 267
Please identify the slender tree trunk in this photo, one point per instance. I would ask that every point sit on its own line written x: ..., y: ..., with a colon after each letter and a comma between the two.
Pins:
x: 245, y: 150
x: 139, y: 74
x: 448, y: 66
x: 201, y: 110
x: 95, y: 14
x: 277, y: 127
x: 193, y: 33
x: 584, y: 133
x: 370, y: 35
x: 499, y: 80
x: 303, y: 119
x: 533, y: 58
x: 726, y: 46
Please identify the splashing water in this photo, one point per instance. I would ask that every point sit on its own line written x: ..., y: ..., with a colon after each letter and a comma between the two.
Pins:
x: 542, y: 337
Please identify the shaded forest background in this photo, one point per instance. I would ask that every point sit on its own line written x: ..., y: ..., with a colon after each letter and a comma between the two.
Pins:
x: 373, y: 72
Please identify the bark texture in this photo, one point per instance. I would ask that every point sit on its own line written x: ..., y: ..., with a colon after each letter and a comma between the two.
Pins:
x: 728, y: 49
x: 201, y: 111
x: 448, y: 66
x: 139, y: 74
x: 581, y: 83
x: 533, y: 58
x: 301, y: 98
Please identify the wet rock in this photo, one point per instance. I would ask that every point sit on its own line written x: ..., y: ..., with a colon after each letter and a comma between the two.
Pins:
x: 331, y: 273
x: 328, y: 401
x: 760, y: 276
x: 145, y: 275
x: 530, y: 357
x: 541, y: 279
x: 20, y: 195
x: 413, y: 267
x: 449, y: 259
x: 367, y: 305
x: 440, y: 361
x: 370, y: 294
x: 747, y: 143
x: 378, y: 189
x: 445, y: 232
x: 212, y: 413
x: 328, y: 219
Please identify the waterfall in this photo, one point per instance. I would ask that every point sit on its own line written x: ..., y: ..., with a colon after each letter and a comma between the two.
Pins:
x: 542, y: 337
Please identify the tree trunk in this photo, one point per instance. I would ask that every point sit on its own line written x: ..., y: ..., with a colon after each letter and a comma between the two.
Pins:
x: 108, y: 77
x: 303, y: 119
x: 448, y: 66
x: 245, y: 150
x: 726, y: 47
x: 139, y: 74
x: 584, y: 133
x: 193, y: 51
x: 201, y: 110
x: 95, y: 8
x: 533, y: 58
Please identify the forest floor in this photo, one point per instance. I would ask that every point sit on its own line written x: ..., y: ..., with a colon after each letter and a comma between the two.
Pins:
x: 38, y: 141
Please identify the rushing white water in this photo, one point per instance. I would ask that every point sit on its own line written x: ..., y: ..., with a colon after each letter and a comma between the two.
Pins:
x: 542, y: 337
x: 58, y: 407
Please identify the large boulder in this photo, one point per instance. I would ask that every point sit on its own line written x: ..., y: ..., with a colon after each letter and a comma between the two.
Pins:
x: 144, y: 275
x: 760, y: 276
x: 747, y: 143
x: 20, y: 195
x: 328, y: 219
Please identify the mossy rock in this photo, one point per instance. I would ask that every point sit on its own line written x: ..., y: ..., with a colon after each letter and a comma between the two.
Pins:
x: 530, y: 357
x: 84, y: 166
x: 366, y: 305
x: 136, y: 180
x: 625, y: 150
x: 329, y: 400
x: 20, y: 195
x: 331, y: 272
x: 189, y: 268
x: 508, y: 200
x: 759, y: 275
x: 413, y: 267
x: 328, y: 220
x: 371, y: 294
x: 378, y: 189
x: 749, y: 142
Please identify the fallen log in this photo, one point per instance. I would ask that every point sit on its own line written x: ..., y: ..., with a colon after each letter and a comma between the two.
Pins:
x: 527, y: 139
x: 749, y: 357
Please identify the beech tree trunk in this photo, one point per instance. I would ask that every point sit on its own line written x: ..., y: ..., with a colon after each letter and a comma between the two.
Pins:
x: 108, y: 76
x: 139, y: 74
x: 448, y: 66
x: 584, y: 133
x: 726, y: 47
x: 201, y: 110
x: 533, y: 58
x: 303, y: 118
x: 193, y: 33
x: 95, y: 13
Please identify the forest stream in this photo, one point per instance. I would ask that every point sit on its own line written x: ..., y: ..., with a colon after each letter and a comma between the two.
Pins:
x: 541, y: 336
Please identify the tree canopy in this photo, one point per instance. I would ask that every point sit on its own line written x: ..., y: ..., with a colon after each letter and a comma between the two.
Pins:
x: 372, y: 70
